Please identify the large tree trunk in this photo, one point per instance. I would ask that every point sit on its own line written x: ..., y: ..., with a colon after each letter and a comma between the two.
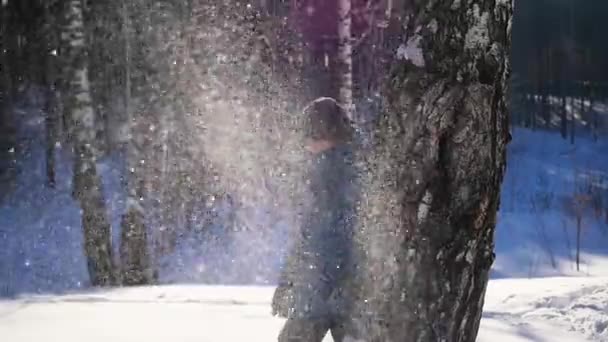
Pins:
x: 87, y: 183
x: 431, y: 190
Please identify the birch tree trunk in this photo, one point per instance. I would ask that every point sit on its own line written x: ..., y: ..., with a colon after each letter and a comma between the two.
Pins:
x: 345, y: 57
x: 134, y: 256
x: 87, y: 183
x: 431, y: 190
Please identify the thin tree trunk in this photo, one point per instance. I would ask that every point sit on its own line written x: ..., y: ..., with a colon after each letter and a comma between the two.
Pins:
x: 578, y: 241
x: 102, y: 40
x: 135, y: 261
x: 14, y: 53
x: 546, y: 114
x: 431, y: 190
x: 51, y: 137
x: 594, y: 113
x: 564, y: 113
x: 5, y: 65
x: 543, y: 81
x: 534, y: 111
x: 87, y: 183
x: 529, y: 110
x: 7, y: 123
x: 52, y: 97
x: 573, y: 74
x: 572, y: 117
x: 583, y: 110
x: 345, y: 57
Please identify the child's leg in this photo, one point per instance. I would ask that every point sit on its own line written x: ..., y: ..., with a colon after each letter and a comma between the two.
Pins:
x: 303, y: 330
x: 338, y: 333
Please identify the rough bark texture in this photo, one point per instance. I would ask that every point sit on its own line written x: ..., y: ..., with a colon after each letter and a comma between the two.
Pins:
x: 433, y: 180
x: 134, y: 256
x: 135, y: 263
x: 87, y: 183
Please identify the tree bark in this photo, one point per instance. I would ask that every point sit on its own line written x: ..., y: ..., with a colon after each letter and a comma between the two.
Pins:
x: 7, y: 131
x: 104, y: 38
x: 87, y: 183
x: 432, y: 184
x: 51, y: 108
x: 134, y: 256
x: 5, y: 69
x: 578, y: 241
x: 345, y: 57
x: 51, y: 137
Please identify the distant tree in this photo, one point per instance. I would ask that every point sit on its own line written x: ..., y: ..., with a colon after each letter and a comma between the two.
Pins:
x: 7, y: 136
x: 52, y: 100
x: 141, y: 113
x: 87, y: 187
x: 6, y: 86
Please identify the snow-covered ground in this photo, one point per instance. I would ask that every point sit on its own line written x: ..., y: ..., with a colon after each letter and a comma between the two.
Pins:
x: 517, y: 310
x: 536, y: 293
x: 536, y: 232
x: 546, y: 309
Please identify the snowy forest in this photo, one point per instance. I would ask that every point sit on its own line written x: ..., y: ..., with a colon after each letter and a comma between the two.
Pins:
x: 304, y: 170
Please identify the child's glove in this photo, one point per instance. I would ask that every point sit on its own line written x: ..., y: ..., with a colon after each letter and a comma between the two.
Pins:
x: 282, y: 300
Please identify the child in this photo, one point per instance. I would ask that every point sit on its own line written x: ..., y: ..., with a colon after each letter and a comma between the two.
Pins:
x: 310, y: 288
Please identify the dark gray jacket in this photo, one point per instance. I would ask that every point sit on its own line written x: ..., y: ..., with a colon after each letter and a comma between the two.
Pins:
x: 321, y: 257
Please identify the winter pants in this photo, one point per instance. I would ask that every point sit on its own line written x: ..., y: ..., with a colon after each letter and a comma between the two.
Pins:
x: 308, y: 330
